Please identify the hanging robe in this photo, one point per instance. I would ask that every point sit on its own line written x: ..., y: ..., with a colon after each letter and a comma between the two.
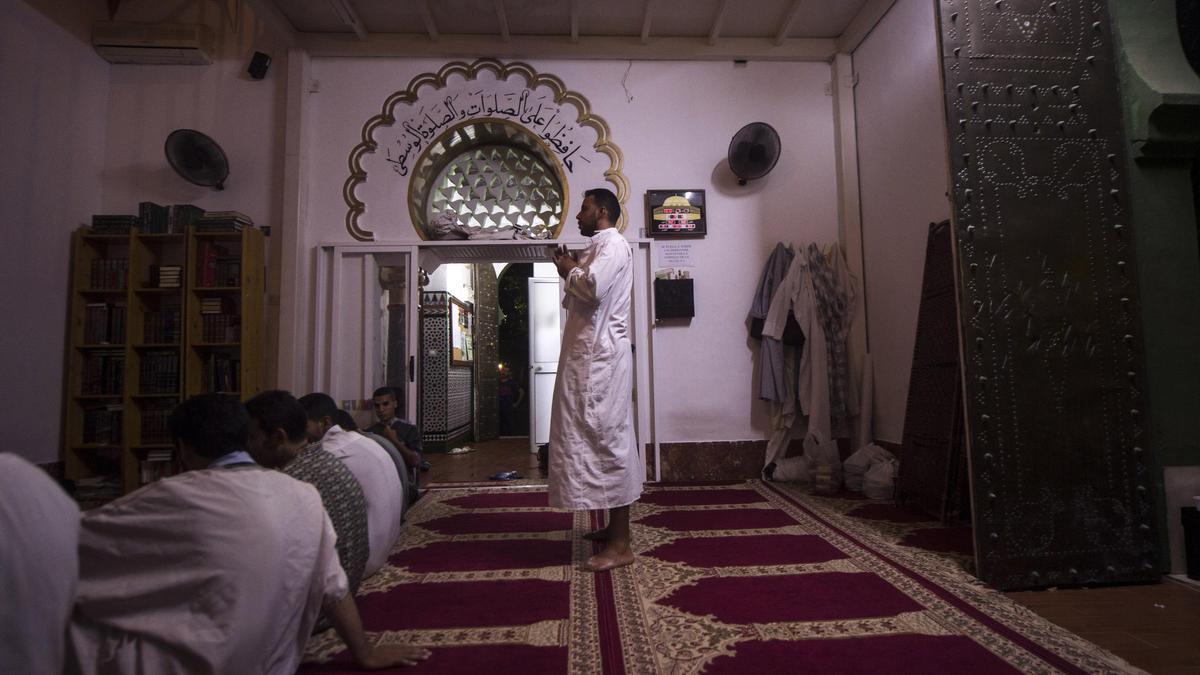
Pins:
x: 773, y: 373
x: 812, y: 387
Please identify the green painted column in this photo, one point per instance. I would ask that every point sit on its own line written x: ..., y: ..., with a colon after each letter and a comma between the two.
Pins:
x: 1161, y: 96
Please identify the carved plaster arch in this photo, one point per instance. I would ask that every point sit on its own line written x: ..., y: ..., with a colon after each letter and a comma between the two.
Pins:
x: 358, y: 175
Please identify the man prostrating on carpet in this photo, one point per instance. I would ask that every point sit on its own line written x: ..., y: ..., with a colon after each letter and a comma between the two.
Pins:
x: 594, y: 460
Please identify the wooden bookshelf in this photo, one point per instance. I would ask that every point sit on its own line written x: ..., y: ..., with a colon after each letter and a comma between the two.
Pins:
x: 98, y: 360
x: 125, y: 378
x: 226, y: 287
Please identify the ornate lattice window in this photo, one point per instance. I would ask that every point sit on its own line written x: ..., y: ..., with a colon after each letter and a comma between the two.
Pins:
x: 487, y: 178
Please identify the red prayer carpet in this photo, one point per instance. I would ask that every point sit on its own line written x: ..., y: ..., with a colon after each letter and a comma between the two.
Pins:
x: 745, y: 577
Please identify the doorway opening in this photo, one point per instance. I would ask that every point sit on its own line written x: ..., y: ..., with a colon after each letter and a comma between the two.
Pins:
x: 477, y: 385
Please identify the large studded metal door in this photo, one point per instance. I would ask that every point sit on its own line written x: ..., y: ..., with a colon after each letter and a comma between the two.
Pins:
x: 1048, y: 301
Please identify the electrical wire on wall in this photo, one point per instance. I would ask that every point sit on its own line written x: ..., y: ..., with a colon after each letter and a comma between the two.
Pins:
x: 628, y: 96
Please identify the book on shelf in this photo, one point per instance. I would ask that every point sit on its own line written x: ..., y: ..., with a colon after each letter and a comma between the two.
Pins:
x: 95, y: 490
x: 152, y: 218
x: 154, y: 422
x: 109, y: 274
x: 217, y: 305
x: 229, y: 272
x: 207, y: 255
x: 113, y: 224
x: 223, y: 221
x: 181, y: 216
x: 158, y: 465
x: 103, y: 374
x: 220, y: 328
x: 162, y: 326
x: 221, y: 373
x: 102, y: 424
x: 104, y: 323
x: 166, y: 276
x: 159, y: 373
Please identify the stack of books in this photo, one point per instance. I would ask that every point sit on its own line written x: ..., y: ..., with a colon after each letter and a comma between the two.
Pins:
x: 103, y: 323
x: 166, y: 276
x: 220, y: 321
x: 113, y: 224
x: 96, y: 490
x: 223, y: 221
x: 216, y: 306
x: 158, y: 464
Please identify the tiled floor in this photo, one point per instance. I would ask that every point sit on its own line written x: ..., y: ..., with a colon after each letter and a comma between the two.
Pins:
x: 1155, y: 627
x: 484, y: 460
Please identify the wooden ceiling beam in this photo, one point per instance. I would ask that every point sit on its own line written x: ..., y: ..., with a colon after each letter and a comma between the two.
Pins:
x: 562, y: 47
x: 786, y: 26
x: 862, y: 24
x: 574, y: 20
x: 714, y: 33
x: 345, y: 12
x: 427, y: 17
x: 647, y: 15
x: 502, y: 17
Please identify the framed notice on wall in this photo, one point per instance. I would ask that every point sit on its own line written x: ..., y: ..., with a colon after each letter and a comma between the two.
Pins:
x: 461, y: 349
x: 676, y: 213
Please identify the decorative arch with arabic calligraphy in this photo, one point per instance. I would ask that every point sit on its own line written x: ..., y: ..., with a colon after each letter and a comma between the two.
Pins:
x: 394, y: 140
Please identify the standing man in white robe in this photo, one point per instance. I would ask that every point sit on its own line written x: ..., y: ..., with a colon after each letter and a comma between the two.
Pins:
x: 594, y: 459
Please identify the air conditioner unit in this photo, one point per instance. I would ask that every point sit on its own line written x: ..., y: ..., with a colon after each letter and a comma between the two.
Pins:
x: 154, y: 43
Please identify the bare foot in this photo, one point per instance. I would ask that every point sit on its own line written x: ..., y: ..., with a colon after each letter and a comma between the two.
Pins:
x: 609, y: 559
x: 597, y: 535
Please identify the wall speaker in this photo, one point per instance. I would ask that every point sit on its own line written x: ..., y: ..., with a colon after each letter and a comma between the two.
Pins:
x: 258, y: 65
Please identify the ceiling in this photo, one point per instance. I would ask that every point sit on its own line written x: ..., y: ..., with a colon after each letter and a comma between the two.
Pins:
x: 621, y: 29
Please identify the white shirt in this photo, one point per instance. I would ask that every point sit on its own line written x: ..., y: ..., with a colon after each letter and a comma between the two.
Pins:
x: 212, y: 571
x: 381, y: 488
x: 39, y: 568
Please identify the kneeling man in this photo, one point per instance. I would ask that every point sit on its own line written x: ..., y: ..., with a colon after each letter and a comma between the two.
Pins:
x: 221, y: 569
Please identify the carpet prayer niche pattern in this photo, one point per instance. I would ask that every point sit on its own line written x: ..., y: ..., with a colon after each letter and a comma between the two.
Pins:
x: 730, y: 578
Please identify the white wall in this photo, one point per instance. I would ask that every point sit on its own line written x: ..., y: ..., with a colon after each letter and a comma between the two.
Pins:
x: 81, y: 137
x: 673, y: 122
x: 54, y: 90
x: 244, y: 116
x: 904, y: 178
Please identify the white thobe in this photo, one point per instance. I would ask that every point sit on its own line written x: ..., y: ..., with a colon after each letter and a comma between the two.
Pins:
x: 381, y: 487
x: 594, y: 459
x: 213, y: 571
x: 39, y: 539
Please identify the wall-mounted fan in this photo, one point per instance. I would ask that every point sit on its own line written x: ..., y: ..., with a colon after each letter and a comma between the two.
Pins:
x: 197, y: 158
x: 753, y: 151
